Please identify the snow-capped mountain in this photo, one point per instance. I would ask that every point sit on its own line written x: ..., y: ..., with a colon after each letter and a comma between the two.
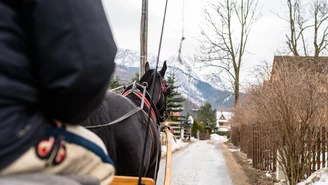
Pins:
x: 193, y: 86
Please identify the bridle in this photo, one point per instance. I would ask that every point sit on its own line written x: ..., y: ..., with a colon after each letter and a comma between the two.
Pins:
x: 159, y: 106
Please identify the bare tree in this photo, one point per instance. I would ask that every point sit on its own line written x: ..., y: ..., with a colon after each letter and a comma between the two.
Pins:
x: 228, y: 25
x: 288, y: 115
x: 262, y: 71
x: 296, y: 24
x: 297, y: 110
x: 300, y: 21
x: 320, y: 13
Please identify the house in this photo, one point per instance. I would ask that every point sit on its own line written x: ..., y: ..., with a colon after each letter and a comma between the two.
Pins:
x: 293, y: 63
x: 175, y: 116
x: 222, y: 123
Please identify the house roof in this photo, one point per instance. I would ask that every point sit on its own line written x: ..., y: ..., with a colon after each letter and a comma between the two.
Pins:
x: 175, y: 113
x: 223, y: 116
x: 309, y: 63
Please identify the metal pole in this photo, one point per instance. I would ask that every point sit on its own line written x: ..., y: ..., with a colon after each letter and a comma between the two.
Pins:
x: 143, y: 37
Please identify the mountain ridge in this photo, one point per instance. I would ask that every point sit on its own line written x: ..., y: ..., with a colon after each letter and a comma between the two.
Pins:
x: 192, y: 86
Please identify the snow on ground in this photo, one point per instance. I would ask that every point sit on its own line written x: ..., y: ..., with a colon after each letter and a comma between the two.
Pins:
x: 234, y: 150
x: 319, y: 177
x: 222, y: 139
x: 175, y: 143
x: 178, y: 143
x: 218, y: 137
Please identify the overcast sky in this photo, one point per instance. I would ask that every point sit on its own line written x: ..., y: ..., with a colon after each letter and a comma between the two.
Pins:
x: 267, y: 34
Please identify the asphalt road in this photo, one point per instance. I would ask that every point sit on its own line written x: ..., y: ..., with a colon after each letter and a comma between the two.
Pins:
x: 201, y: 163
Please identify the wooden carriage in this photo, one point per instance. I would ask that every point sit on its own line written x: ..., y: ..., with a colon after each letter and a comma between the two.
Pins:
x: 129, y: 180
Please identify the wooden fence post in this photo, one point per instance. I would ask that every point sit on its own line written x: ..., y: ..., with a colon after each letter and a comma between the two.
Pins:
x: 323, y: 150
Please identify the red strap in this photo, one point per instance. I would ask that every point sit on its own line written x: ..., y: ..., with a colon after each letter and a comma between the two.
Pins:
x: 146, y: 102
x: 164, y: 87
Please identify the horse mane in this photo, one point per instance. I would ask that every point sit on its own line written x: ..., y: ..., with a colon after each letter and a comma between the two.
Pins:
x: 148, y: 74
x: 148, y: 77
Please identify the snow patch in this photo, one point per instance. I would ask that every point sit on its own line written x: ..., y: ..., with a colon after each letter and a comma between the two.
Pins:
x: 218, y: 137
x: 234, y: 150
x: 176, y: 144
x: 319, y: 177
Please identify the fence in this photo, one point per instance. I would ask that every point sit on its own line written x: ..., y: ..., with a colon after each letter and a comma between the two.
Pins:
x: 186, y: 133
x: 176, y: 126
x: 251, y: 141
x: 204, y: 136
x: 254, y: 140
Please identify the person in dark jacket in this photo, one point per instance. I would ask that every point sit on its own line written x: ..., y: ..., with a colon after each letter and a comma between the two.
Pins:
x: 56, y: 60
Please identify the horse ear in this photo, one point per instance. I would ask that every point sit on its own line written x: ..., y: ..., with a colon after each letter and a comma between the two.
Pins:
x: 163, y: 70
x: 147, y: 67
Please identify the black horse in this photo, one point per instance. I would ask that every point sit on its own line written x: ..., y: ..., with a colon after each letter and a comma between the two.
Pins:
x: 125, y: 140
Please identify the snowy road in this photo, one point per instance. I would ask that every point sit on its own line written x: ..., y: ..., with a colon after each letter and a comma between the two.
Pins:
x: 201, y: 163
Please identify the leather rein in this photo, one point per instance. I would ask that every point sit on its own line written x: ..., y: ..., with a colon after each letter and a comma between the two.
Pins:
x: 135, y: 89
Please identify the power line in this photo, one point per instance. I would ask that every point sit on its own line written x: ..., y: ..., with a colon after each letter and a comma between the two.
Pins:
x: 182, y: 21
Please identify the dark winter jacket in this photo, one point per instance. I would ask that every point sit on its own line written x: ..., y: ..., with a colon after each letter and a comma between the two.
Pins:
x: 56, y: 59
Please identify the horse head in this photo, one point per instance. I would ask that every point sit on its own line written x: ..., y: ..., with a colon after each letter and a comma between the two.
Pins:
x: 158, y: 90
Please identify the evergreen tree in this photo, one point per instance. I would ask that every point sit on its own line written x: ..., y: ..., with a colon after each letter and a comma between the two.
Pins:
x: 174, y: 100
x: 206, y: 115
x: 194, y: 128
x: 197, y: 126
x: 115, y: 82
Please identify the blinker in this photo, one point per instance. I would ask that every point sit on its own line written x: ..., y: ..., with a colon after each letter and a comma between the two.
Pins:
x: 166, y: 88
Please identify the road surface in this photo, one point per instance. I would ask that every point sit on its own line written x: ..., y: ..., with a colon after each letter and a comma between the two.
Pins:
x: 201, y: 163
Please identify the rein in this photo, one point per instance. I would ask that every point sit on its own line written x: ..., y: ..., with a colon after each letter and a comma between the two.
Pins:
x: 125, y: 116
x: 152, y: 91
x: 117, y: 88
x: 145, y: 98
x: 135, y: 89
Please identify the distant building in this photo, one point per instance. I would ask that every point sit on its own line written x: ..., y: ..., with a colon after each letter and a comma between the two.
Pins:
x: 176, y: 115
x: 190, y: 120
x: 293, y: 63
x: 307, y: 63
x: 222, y: 121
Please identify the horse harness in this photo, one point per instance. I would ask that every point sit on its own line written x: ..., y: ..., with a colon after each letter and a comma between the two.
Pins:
x: 140, y: 92
x: 136, y: 89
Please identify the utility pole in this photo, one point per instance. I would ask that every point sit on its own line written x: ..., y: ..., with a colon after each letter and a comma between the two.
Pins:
x: 143, y: 37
